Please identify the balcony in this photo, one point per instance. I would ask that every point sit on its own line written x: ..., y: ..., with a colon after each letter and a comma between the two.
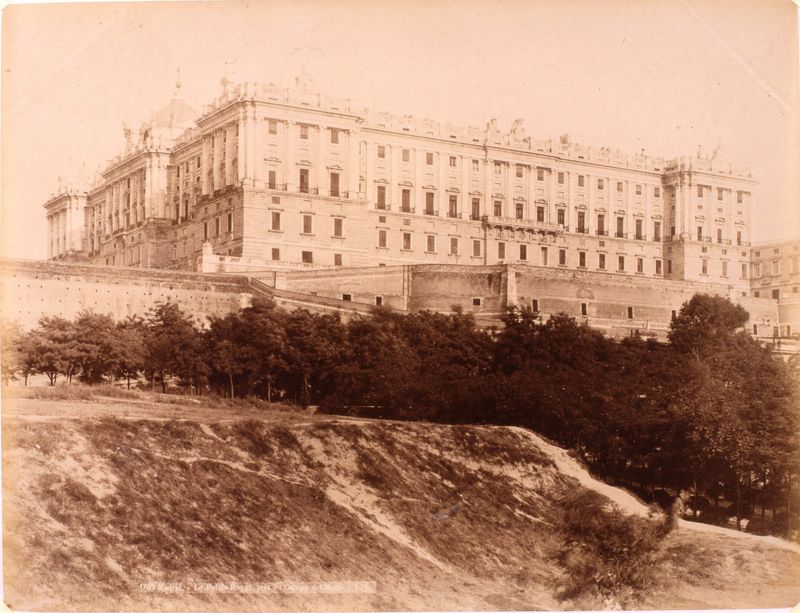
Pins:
x: 620, y: 235
x: 278, y: 187
x: 640, y: 237
x: 511, y: 222
x: 704, y: 239
x: 382, y: 206
x: 454, y: 214
x: 602, y: 233
x: 304, y: 189
x: 475, y: 217
x: 431, y: 212
x: 407, y: 209
x: 724, y: 241
x: 337, y: 193
x: 583, y: 230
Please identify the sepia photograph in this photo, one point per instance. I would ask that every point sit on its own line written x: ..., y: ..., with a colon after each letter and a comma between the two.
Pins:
x: 477, y: 305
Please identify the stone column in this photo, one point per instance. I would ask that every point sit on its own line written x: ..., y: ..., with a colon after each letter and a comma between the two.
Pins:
x: 320, y: 172
x: 466, y: 201
x: 551, y: 196
x: 394, y: 177
x: 352, y: 163
x: 419, y: 195
x: 290, y: 177
x: 488, y: 203
x: 441, y: 186
x: 509, y: 191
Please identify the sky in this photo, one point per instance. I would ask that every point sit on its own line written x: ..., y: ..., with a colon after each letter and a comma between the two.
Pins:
x: 664, y: 76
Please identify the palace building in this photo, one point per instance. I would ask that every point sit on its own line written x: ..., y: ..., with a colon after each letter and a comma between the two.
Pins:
x: 275, y: 179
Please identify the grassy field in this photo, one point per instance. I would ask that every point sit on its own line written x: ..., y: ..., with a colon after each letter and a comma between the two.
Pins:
x: 106, y: 498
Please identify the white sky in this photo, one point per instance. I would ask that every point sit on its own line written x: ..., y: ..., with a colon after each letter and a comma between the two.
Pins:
x: 664, y: 76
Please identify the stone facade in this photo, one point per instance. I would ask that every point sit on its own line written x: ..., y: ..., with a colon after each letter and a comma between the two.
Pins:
x: 290, y: 178
x: 775, y: 275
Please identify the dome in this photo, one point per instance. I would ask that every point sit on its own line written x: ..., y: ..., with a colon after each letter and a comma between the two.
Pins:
x: 176, y: 114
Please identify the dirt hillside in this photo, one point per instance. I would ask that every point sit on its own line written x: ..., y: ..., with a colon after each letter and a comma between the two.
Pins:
x: 131, y: 505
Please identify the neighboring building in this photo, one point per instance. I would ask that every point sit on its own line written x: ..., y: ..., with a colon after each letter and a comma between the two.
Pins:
x: 775, y: 274
x: 272, y: 177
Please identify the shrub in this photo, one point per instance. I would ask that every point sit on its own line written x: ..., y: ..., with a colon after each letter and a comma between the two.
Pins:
x: 608, y: 556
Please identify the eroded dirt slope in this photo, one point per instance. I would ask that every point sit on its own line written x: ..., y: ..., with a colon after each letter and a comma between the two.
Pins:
x: 99, y: 506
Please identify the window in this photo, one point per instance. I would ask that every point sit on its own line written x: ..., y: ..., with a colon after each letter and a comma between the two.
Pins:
x: 453, y: 245
x: 406, y: 154
x: 744, y: 270
x: 560, y: 217
x: 476, y: 302
x: 621, y: 263
x: 304, y: 180
x: 584, y: 309
x: 581, y: 259
x: 724, y: 268
x: 601, y: 224
x: 347, y: 297
x: 429, y: 203
x: 276, y: 221
x: 540, y: 213
x: 452, y: 210
x: 498, y: 168
x: 205, y: 230
x: 544, y: 256
x: 452, y: 161
x: 230, y: 222
x: 335, y: 184
x: 276, y: 254
x: 581, y: 180
x: 638, y: 189
x: 476, y: 208
x: 658, y: 267
x: 601, y: 261
x: 669, y: 267
x: 619, y: 186
x: 776, y: 294
x: 476, y: 248
x: 739, y: 197
x: 640, y: 265
x: 337, y: 259
x: 540, y: 174
x: 561, y: 178
x: 704, y: 266
x: 307, y: 257
x: 272, y: 182
x: 523, y: 253
x: 620, y: 227
x: 719, y: 193
x: 273, y: 127
x: 382, y: 238
x: 656, y: 192
x: 431, y: 246
x: 776, y: 267
x: 407, y: 241
x: 378, y: 300
x: 381, y: 151
x: 581, y: 222
x: 657, y: 231
x: 600, y: 184
x: 381, y: 197
x: 476, y: 165
x: 405, y: 200
x: 519, y: 171
x: 501, y: 251
x: 630, y: 312
x: 562, y: 257
x: 334, y: 136
x: 520, y: 210
x: 337, y: 227
x: 699, y: 233
x: 304, y: 132
x: 429, y: 159
x: 498, y: 208
x: 639, y: 236
x: 307, y: 224
x: 534, y: 305
x: 699, y: 191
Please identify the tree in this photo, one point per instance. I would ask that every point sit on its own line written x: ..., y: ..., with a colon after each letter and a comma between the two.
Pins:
x: 11, y: 355
x: 94, y: 345
x: 173, y: 346
x: 129, y: 354
x: 704, y: 321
